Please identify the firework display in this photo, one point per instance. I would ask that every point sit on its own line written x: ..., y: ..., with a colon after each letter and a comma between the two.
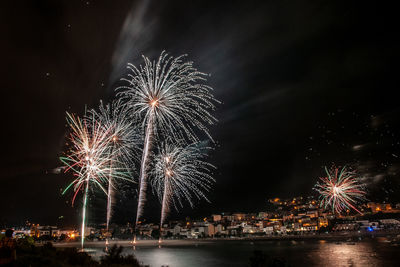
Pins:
x: 123, y: 142
x: 168, y: 97
x: 340, y: 190
x: 90, y: 159
x: 180, y: 173
x: 162, y: 99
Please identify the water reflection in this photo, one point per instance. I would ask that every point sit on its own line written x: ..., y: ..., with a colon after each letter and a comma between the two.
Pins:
x: 345, y: 254
x: 324, y: 253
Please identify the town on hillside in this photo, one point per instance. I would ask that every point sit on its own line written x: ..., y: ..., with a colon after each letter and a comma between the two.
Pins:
x: 282, y: 217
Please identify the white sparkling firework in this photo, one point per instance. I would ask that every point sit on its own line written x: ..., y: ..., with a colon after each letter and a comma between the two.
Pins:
x: 125, y: 138
x: 90, y: 159
x: 123, y: 142
x: 169, y: 97
x: 180, y: 173
x: 87, y: 158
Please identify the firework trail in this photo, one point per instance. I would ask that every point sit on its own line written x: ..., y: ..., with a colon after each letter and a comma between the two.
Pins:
x: 123, y: 143
x: 340, y: 190
x: 89, y: 159
x: 169, y: 97
x: 180, y: 173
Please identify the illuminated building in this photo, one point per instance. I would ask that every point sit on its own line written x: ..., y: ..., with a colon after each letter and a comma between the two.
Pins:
x: 379, y: 207
x: 322, y: 222
x: 239, y: 216
x: 217, y: 217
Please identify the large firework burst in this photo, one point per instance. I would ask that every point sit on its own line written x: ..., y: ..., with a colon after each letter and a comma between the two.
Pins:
x: 340, y: 190
x: 180, y: 173
x: 89, y: 158
x: 123, y: 142
x: 124, y: 136
x: 169, y: 97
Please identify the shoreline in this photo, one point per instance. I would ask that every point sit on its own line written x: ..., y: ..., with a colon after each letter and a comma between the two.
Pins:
x: 347, y: 237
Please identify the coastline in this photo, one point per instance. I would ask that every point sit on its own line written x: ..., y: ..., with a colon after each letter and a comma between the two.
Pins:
x: 335, y: 237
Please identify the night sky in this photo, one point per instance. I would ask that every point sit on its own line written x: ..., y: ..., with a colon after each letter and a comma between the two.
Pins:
x: 302, y: 86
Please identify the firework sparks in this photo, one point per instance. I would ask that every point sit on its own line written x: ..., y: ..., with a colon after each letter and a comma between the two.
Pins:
x: 180, y: 173
x: 123, y: 140
x: 168, y: 96
x: 89, y: 159
x: 340, y: 190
